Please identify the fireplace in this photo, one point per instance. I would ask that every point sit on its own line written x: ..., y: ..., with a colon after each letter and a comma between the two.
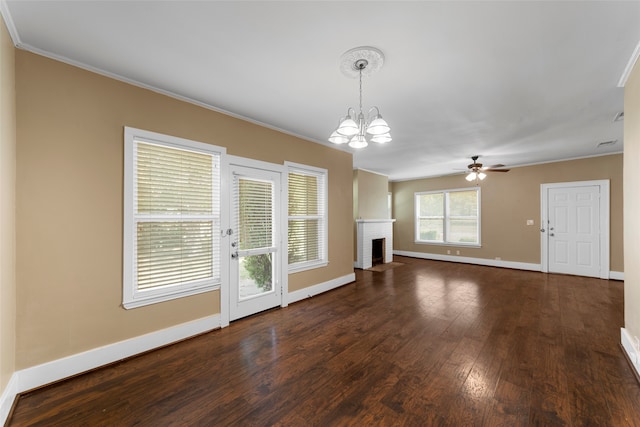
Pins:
x: 370, y: 230
x: 377, y: 251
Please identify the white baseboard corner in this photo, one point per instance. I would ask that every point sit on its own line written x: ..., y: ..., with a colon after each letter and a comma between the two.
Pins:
x: 313, y: 290
x: 631, y: 351
x: 7, y: 398
x: 470, y: 260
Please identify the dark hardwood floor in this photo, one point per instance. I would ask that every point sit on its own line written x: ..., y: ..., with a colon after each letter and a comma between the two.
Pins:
x: 426, y: 343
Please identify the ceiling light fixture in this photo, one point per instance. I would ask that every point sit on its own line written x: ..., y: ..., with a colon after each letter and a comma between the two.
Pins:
x: 473, y: 175
x: 356, y: 128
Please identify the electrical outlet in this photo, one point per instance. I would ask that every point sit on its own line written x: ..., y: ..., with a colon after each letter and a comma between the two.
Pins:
x: 457, y: 252
x: 530, y: 222
x: 498, y: 258
x: 448, y: 251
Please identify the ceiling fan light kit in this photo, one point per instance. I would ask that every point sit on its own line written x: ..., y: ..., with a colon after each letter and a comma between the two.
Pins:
x: 355, y: 127
x: 477, y: 172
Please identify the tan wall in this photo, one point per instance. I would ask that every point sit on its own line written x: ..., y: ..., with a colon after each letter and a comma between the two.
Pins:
x: 371, y: 200
x: 508, y: 201
x: 370, y: 192
x: 7, y: 207
x: 632, y: 203
x: 69, y: 201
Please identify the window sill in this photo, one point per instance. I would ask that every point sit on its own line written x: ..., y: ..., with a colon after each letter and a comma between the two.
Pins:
x: 308, y: 266
x: 144, y: 300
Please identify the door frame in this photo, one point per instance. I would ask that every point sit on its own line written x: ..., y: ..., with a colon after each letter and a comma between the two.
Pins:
x: 225, y: 247
x: 604, y: 203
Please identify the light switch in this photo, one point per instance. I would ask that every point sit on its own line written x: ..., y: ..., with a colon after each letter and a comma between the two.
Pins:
x: 529, y: 222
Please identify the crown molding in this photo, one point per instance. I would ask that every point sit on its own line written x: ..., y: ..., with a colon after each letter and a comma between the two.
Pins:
x: 627, y: 70
x: 8, y: 20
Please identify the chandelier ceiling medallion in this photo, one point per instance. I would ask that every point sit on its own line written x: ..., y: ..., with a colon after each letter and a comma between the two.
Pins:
x: 356, y: 129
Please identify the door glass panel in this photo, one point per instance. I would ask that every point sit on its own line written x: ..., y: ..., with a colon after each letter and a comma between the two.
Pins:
x: 255, y: 237
x: 256, y: 275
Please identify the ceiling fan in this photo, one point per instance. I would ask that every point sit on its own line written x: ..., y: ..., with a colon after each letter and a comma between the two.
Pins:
x: 477, y: 171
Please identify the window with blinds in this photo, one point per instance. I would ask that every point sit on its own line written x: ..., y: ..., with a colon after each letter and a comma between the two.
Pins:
x: 172, y: 218
x: 307, y: 217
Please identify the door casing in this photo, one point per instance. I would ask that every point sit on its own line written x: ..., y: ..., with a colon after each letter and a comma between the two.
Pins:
x: 604, y: 221
x: 225, y: 249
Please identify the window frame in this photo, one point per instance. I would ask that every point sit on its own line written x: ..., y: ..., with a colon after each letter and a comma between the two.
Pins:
x: 446, y: 217
x: 323, y: 261
x: 133, y: 297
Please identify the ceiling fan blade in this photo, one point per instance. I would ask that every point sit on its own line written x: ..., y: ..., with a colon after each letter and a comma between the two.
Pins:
x: 497, y: 170
x: 499, y: 165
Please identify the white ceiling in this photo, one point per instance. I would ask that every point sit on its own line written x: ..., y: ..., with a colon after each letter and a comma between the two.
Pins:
x: 512, y: 81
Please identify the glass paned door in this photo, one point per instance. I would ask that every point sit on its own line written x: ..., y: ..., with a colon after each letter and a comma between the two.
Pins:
x: 255, y: 252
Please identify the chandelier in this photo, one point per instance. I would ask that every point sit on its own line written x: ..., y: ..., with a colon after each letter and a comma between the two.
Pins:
x: 356, y: 128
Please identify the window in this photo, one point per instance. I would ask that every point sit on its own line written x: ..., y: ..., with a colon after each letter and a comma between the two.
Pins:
x: 450, y: 217
x: 171, y: 218
x: 307, y: 217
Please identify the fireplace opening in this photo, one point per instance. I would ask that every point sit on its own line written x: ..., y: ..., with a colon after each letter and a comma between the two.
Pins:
x: 377, y: 251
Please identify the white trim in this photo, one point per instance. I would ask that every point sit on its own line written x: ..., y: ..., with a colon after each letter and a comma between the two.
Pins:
x: 8, y: 397
x: 627, y: 70
x: 468, y: 260
x: 271, y: 172
x: 632, y: 352
x: 446, y: 216
x: 613, y: 275
x: 314, y: 290
x: 375, y: 220
x: 11, y: 26
x: 323, y: 174
x: 604, y: 205
x: 568, y: 159
x: 127, y: 80
x: 616, y: 275
x: 59, y: 369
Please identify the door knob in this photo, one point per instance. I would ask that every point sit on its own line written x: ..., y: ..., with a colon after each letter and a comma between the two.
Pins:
x: 542, y: 230
x: 235, y: 255
x: 551, y: 234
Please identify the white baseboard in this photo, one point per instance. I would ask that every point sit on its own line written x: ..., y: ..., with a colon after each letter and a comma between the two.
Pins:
x: 469, y: 260
x: 47, y: 373
x: 320, y: 288
x: 616, y: 275
x: 56, y: 370
x: 8, y: 396
x: 613, y: 275
x: 632, y: 353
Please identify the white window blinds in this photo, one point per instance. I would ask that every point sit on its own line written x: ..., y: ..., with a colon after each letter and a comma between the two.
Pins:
x: 254, y: 213
x: 307, y: 218
x: 175, y: 220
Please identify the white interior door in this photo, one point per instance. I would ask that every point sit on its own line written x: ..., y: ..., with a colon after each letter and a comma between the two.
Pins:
x: 575, y: 230
x: 255, y: 268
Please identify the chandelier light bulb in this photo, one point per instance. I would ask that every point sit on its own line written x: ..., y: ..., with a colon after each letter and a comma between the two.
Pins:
x: 482, y: 175
x: 358, y: 141
x: 347, y: 127
x: 378, y: 126
x: 471, y: 176
x: 381, y: 139
x: 336, y: 138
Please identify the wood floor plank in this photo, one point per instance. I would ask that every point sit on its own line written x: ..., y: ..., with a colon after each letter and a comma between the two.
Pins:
x: 427, y: 343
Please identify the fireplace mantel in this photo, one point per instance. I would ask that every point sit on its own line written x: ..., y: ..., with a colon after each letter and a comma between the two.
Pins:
x: 369, y: 229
